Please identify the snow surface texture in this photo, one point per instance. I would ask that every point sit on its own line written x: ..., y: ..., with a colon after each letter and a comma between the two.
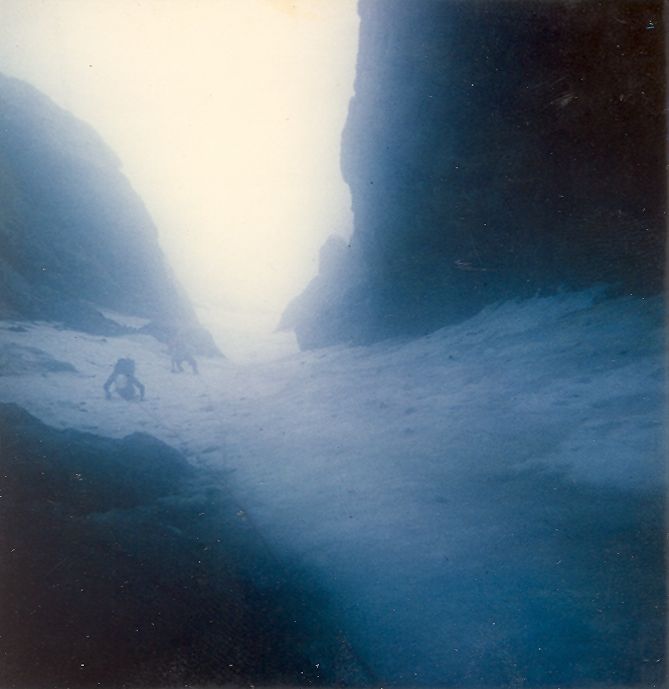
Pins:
x: 483, y: 504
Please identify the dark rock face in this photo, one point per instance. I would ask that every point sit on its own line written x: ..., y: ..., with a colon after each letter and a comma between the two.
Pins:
x: 73, y: 233
x: 494, y: 150
x: 123, y: 565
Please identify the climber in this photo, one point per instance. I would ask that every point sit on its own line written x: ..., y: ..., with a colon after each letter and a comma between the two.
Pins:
x: 181, y: 351
x: 124, y: 381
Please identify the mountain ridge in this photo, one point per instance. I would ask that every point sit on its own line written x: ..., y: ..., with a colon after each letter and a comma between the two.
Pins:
x: 74, y: 235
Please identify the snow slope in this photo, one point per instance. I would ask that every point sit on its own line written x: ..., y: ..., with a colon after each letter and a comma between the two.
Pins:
x: 484, y: 504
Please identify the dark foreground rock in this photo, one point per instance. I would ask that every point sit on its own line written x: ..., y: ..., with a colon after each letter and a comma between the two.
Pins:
x: 122, y: 565
x: 494, y: 150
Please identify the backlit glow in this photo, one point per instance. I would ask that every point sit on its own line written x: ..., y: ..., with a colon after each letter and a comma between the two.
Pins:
x: 227, y: 115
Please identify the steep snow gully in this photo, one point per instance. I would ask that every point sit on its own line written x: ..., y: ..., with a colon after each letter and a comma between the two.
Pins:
x: 480, y: 506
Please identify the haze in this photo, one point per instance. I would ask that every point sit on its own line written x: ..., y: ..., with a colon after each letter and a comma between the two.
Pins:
x: 226, y: 115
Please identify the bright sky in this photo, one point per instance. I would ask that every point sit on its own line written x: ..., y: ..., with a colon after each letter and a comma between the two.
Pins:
x: 227, y: 115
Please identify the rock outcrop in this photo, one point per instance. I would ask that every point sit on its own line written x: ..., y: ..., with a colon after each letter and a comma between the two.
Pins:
x: 123, y: 565
x: 495, y: 150
x: 74, y: 236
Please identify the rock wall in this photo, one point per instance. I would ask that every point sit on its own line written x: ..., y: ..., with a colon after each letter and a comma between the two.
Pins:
x: 73, y: 233
x: 494, y: 150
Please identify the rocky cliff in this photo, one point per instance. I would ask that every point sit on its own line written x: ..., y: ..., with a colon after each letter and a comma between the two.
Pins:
x: 74, y: 235
x: 494, y: 150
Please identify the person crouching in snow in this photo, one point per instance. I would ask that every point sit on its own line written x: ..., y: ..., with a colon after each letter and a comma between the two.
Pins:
x: 180, y: 351
x: 124, y: 381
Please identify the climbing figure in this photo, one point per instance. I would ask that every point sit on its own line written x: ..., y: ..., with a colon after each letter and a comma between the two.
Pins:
x: 124, y: 381
x: 180, y: 351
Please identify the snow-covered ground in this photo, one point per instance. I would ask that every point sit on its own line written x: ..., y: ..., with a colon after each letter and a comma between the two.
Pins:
x: 247, y: 336
x: 423, y: 481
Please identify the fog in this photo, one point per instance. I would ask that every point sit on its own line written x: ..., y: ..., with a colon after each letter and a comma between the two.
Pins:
x: 462, y: 484
x: 226, y: 116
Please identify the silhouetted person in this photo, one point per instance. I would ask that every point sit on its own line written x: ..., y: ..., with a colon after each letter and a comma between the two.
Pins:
x: 181, y: 351
x: 124, y: 380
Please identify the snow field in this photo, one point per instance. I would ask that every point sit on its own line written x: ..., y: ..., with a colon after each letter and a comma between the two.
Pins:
x: 405, y: 472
